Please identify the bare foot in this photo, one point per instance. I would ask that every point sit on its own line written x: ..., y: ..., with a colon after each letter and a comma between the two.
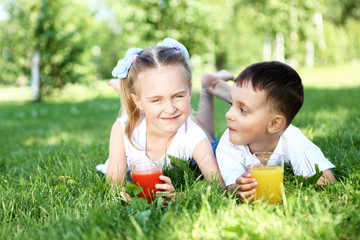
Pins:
x: 208, y: 79
x: 220, y: 89
x: 115, y: 83
x: 225, y: 75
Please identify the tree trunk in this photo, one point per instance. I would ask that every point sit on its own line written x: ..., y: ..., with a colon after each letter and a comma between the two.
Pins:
x: 35, y: 76
x: 220, y: 60
x: 310, y: 54
x: 267, y: 50
x: 292, y: 61
x: 279, y: 48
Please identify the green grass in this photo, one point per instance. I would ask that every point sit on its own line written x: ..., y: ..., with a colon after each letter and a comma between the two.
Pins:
x: 49, y: 188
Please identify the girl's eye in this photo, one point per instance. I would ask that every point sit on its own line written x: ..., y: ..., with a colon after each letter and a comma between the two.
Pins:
x: 179, y: 96
x: 155, y: 100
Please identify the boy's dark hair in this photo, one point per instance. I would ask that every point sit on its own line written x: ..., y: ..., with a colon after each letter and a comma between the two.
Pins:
x: 281, y: 83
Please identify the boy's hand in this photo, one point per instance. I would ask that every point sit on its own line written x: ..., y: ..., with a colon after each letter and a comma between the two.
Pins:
x: 245, y: 186
x: 167, y: 188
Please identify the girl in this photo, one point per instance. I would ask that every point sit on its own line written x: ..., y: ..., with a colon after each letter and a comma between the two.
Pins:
x: 155, y: 90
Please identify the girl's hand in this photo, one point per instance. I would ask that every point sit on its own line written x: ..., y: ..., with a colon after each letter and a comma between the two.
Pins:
x: 167, y: 188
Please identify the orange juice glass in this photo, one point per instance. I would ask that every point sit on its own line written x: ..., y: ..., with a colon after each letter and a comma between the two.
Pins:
x: 268, y: 170
x: 145, y: 173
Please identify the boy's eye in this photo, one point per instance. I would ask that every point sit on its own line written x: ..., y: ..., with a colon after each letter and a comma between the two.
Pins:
x: 243, y: 110
x: 179, y: 96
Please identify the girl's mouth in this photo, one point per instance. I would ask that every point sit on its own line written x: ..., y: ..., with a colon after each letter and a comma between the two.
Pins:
x: 171, y: 119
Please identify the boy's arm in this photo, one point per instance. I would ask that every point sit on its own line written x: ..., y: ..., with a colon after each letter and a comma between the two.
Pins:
x: 326, y: 177
x: 304, y: 155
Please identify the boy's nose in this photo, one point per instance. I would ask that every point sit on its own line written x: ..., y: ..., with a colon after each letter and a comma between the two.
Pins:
x: 228, y: 114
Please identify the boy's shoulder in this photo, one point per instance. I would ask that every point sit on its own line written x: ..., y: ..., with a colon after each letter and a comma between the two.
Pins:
x: 295, y: 138
x: 302, y: 153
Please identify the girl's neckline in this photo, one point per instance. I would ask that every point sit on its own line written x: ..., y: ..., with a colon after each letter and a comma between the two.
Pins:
x: 168, y: 143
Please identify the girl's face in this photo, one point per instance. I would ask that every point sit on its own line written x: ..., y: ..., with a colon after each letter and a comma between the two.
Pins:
x: 164, y: 96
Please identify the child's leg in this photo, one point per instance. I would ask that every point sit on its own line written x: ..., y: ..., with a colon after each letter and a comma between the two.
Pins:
x: 221, y: 90
x: 115, y: 83
x: 212, y: 84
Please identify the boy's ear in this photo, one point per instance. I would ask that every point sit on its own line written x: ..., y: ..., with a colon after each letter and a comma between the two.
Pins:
x: 136, y: 101
x: 277, y: 124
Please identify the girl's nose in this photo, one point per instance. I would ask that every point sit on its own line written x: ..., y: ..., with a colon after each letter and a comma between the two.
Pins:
x: 170, y: 107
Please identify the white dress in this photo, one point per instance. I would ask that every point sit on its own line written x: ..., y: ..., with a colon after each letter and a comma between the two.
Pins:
x: 182, y: 146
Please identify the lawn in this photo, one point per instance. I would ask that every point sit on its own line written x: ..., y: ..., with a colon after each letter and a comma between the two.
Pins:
x: 49, y: 188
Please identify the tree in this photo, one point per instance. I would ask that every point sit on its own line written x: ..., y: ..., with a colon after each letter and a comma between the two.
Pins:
x: 56, y: 33
x: 196, y: 24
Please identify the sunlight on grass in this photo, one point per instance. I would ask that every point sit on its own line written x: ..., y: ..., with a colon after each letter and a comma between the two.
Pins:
x: 79, y: 93
x: 50, y: 140
x: 341, y: 76
x: 58, y: 138
x: 327, y: 120
x: 321, y: 77
x: 15, y: 94
x: 71, y: 93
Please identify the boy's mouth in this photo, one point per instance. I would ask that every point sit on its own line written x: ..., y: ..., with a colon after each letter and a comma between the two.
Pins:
x: 231, y: 129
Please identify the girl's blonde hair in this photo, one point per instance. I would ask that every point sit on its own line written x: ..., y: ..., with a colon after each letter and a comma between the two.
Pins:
x: 149, y: 58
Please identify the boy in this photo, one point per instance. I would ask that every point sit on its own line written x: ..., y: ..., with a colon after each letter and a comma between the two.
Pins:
x: 265, y: 98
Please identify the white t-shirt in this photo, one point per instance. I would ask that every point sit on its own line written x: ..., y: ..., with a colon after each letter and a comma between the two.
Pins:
x: 299, y: 151
x: 182, y: 146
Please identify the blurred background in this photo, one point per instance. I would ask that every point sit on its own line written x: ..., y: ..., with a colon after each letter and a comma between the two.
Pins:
x: 47, y: 44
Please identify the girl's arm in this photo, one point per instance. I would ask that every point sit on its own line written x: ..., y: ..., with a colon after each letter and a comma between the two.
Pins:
x: 204, y: 157
x: 117, y: 159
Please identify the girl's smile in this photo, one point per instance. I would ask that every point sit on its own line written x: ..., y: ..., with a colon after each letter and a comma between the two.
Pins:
x: 171, y: 119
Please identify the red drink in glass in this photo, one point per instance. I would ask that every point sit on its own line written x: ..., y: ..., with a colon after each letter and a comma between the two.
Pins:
x: 146, y: 174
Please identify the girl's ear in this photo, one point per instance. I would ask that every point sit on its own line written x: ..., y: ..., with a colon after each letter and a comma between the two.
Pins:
x: 136, y: 100
x: 277, y: 124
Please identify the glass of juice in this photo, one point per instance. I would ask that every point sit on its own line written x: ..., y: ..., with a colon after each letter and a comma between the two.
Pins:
x: 145, y: 173
x: 268, y: 170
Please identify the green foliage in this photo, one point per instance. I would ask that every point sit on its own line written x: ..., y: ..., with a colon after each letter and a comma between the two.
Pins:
x: 182, y: 172
x: 59, y: 32
x: 79, y: 44
x: 341, y: 11
x: 300, y: 180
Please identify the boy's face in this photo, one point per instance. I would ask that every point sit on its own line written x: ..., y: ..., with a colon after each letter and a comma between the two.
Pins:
x: 249, y: 116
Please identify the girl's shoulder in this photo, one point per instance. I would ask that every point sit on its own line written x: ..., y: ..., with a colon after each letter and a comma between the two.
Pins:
x: 190, y: 128
x: 122, y: 119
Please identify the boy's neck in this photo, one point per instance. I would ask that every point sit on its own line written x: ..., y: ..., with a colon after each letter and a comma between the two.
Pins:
x: 267, y: 145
